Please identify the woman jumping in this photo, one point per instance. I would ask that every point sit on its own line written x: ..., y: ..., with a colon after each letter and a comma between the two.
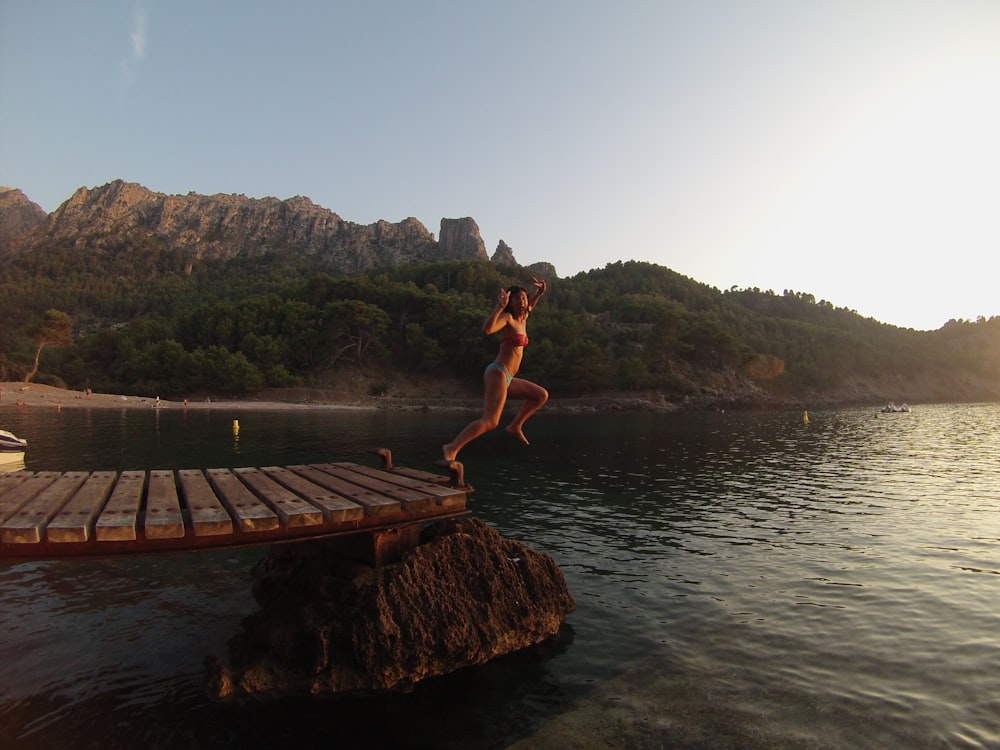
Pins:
x: 510, y: 316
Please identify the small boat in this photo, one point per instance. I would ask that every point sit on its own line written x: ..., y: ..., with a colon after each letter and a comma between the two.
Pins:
x: 891, y: 408
x: 11, y: 447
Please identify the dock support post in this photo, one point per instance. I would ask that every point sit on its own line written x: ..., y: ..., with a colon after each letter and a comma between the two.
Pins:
x: 392, y: 545
x: 386, y: 455
x: 456, y: 470
x: 378, y: 547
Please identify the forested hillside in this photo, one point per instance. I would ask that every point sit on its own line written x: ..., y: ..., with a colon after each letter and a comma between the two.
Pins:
x: 144, y: 323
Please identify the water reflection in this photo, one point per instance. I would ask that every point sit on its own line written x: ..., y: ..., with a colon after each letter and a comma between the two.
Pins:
x: 742, y: 580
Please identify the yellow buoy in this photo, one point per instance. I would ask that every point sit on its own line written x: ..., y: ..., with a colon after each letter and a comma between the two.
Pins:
x: 236, y: 427
x: 805, y: 417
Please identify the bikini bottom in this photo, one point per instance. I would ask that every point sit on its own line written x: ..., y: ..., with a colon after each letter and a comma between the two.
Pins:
x: 498, y: 366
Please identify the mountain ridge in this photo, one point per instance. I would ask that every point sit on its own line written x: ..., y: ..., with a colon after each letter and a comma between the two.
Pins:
x: 225, y: 226
x: 227, y: 294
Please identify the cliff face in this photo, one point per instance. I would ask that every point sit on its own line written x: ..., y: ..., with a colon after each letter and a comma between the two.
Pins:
x: 460, y: 240
x: 504, y: 256
x: 228, y: 226
x: 18, y: 215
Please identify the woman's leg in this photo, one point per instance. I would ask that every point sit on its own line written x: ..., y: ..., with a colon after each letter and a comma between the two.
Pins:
x: 534, y: 398
x: 494, y: 398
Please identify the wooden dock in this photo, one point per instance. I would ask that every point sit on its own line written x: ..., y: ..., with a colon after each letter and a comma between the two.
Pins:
x: 377, y: 512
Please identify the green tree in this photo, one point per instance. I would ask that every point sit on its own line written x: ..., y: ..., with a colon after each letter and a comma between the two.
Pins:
x: 53, y: 330
x: 353, y: 326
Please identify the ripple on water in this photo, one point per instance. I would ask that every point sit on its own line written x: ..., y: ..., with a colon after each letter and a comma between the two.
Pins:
x: 742, y: 580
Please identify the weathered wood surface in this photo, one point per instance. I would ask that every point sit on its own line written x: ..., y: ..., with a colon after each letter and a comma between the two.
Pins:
x: 52, y: 515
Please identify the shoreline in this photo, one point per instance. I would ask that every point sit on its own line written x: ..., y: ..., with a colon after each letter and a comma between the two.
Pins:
x: 34, y: 395
x: 15, y: 394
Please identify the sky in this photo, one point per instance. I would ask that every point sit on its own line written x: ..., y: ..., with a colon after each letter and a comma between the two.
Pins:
x: 849, y: 150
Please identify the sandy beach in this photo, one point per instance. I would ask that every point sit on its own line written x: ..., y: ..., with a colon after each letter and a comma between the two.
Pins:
x: 34, y: 396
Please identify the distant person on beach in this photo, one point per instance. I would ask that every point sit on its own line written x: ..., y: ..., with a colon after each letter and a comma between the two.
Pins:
x: 500, y: 381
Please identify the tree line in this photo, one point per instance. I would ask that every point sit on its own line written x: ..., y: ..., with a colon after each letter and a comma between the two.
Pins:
x: 147, y: 320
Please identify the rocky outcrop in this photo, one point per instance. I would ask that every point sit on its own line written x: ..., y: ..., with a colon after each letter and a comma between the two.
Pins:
x: 18, y: 215
x: 460, y: 240
x: 543, y: 270
x: 120, y: 215
x: 464, y: 596
x: 227, y: 226
x: 504, y: 256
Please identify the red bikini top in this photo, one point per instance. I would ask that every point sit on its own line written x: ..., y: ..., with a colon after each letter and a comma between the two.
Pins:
x: 516, y: 339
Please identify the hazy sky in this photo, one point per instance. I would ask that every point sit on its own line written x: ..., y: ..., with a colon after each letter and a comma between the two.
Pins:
x: 847, y: 149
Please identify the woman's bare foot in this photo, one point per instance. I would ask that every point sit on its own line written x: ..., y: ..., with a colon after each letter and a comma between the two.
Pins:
x: 516, y: 432
x: 449, y: 452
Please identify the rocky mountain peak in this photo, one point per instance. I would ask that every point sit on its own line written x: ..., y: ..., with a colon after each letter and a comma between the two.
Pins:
x: 18, y: 214
x: 504, y: 256
x: 460, y: 240
x: 120, y: 215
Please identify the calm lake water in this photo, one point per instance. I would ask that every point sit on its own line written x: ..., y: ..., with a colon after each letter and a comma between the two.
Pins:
x: 743, y: 580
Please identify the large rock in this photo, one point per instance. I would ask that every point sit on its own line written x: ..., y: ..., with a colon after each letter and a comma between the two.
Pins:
x: 504, y: 256
x: 18, y: 215
x: 543, y: 270
x: 459, y: 239
x: 464, y: 596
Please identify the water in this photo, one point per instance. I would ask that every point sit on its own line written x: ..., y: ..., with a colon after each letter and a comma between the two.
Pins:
x: 742, y: 580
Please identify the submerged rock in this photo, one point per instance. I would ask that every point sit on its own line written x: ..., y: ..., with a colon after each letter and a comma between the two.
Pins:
x: 327, y: 624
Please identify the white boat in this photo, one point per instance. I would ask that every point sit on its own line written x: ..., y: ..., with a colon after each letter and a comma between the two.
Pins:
x: 11, y: 447
x: 891, y: 408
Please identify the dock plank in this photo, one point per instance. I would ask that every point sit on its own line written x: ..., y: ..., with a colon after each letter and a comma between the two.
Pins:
x: 53, y: 515
x: 119, y: 520
x: 11, y: 479
x: 251, y: 513
x: 163, y: 519
x: 21, y: 492
x: 27, y: 524
x: 75, y: 521
x: 335, y: 506
x: 372, y: 503
x: 208, y: 515
x: 411, y: 499
x: 291, y: 509
x: 423, y: 481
